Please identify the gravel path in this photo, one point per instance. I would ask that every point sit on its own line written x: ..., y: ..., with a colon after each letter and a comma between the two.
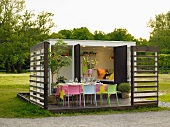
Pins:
x: 146, y: 119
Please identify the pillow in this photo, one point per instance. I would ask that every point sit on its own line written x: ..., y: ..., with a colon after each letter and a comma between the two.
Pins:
x: 101, y: 73
x: 111, y: 77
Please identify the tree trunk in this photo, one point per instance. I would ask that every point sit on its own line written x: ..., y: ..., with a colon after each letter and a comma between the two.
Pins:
x: 7, y: 67
x: 12, y: 68
x: 18, y: 67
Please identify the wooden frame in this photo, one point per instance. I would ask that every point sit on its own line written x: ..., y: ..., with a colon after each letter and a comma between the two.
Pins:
x: 39, y: 75
x: 139, y: 67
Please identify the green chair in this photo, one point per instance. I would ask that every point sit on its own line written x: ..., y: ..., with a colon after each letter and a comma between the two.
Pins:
x: 112, y: 89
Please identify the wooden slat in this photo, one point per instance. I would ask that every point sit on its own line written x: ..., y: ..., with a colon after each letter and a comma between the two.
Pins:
x: 39, y: 98
x: 37, y: 60
x: 145, y: 101
x: 145, y: 86
x: 35, y: 65
x: 145, y: 61
x: 144, y: 49
x: 144, y: 56
x: 39, y: 104
x: 37, y: 92
x: 41, y: 54
x: 145, y: 66
x: 145, y: 91
x: 145, y: 76
x: 146, y: 71
x: 144, y: 81
x: 36, y: 81
x: 36, y: 76
x: 145, y: 96
x: 39, y: 87
x: 36, y: 70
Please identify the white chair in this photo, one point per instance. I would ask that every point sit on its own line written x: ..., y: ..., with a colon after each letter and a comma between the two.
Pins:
x: 89, y: 89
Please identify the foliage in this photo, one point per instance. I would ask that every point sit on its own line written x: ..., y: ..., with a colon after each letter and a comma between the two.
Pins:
x: 164, y: 61
x: 124, y: 87
x: 19, y: 30
x: 89, y: 64
x: 160, y: 34
x: 99, y: 35
x: 120, y: 35
x: 61, y: 79
x: 66, y: 34
x: 57, y: 58
x: 81, y: 34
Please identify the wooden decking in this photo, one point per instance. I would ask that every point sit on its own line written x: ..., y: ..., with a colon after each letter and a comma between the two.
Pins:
x: 123, y: 104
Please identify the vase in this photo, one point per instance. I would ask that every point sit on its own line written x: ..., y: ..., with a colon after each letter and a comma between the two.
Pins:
x: 90, y: 72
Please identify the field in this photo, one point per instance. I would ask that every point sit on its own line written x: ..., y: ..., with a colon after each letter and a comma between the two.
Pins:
x: 11, y: 106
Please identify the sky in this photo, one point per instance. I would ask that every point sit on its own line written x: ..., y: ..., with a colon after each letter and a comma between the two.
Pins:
x: 102, y: 15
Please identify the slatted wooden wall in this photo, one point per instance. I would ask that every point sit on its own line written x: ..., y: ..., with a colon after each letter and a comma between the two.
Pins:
x: 39, y: 74
x: 144, y: 75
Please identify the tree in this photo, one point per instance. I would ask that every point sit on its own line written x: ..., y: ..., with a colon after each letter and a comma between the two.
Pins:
x: 164, y: 62
x: 99, y: 35
x: 120, y: 35
x: 160, y: 34
x: 66, y: 34
x: 9, y: 14
x: 81, y: 34
x: 141, y: 42
x: 19, y: 30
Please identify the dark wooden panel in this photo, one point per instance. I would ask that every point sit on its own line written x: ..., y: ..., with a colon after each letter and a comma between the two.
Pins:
x: 39, y: 87
x: 41, y: 54
x: 36, y: 70
x: 42, y: 99
x: 36, y: 76
x: 36, y: 81
x: 145, y: 86
x: 145, y: 96
x: 120, y: 64
x: 46, y: 46
x: 145, y: 76
x: 77, y: 70
x: 145, y: 48
x: 144, y: 81
x: 144, y: 56
x: 37, y: 92
x: 36, y: 60
x: 146, y: 91
x: 145, y: 71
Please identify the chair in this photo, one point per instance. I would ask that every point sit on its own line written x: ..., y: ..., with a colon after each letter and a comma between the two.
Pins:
x: 74, y: 90
x: 89, y: 89
x: 112, y: 89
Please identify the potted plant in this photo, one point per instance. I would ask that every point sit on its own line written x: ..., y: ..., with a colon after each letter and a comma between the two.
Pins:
x: 88, y: 65
x: 124, y: 88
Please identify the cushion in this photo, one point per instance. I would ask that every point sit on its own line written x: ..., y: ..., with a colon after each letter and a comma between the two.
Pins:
x: 101, y: 73
x: 111, y: 77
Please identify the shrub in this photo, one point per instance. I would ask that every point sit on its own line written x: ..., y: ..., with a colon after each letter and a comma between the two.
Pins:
x: 124, y: 87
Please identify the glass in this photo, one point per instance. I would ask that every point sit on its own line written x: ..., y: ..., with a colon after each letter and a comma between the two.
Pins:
x: 76, y: 80
x: 70, y: 81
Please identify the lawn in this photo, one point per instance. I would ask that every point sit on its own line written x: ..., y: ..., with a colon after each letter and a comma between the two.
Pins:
x: 11, y: 106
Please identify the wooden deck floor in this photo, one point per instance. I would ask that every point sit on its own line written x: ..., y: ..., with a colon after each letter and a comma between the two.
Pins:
x: 123, y: 103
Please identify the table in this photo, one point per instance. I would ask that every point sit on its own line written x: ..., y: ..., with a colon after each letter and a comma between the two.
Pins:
x: 62, y: 89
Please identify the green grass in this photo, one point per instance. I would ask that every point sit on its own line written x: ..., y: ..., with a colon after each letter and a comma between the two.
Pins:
x: 11, y: 106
